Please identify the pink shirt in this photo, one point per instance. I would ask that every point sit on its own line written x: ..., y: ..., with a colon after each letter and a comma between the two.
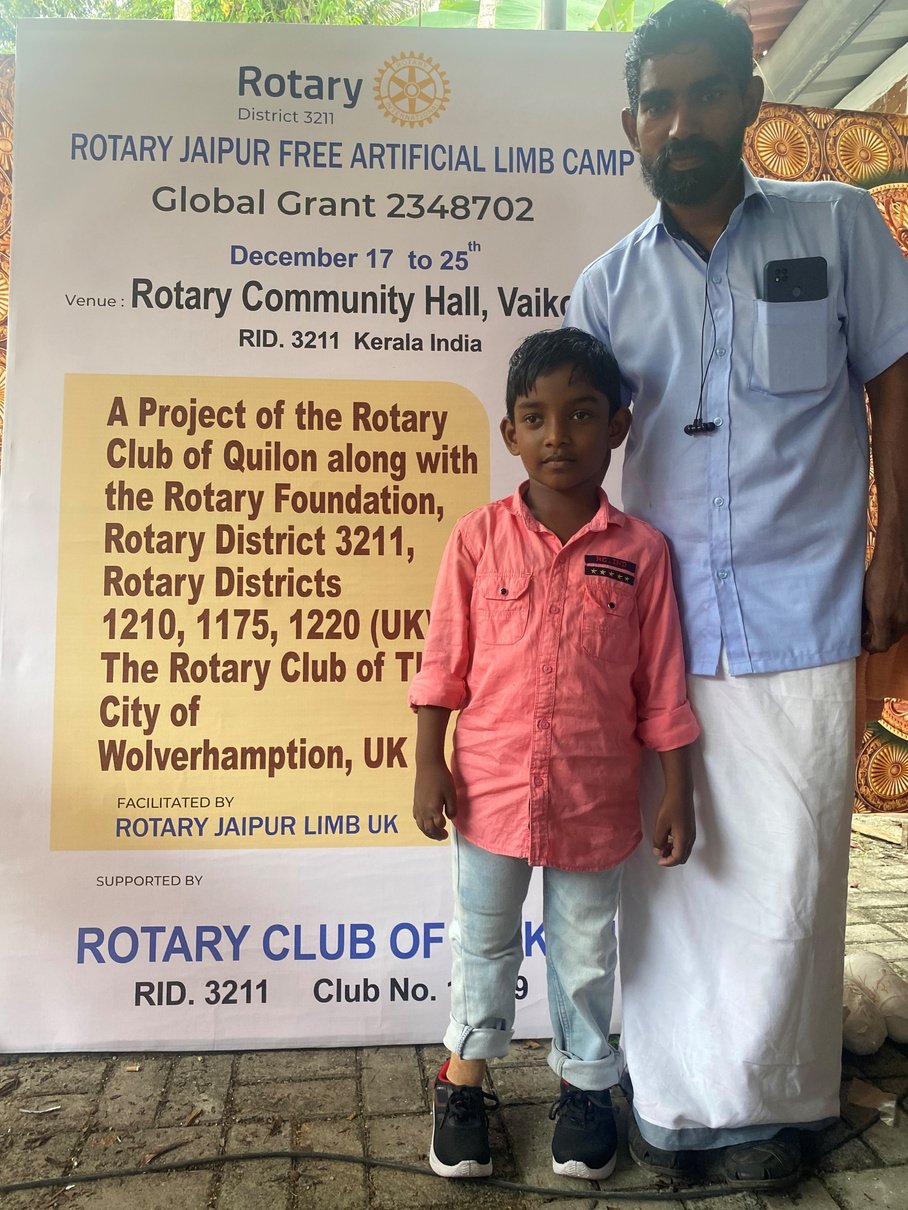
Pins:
x: 563, y: 661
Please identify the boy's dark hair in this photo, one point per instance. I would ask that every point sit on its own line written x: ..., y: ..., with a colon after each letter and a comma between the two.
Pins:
x: 691, y: 21
x: 544, y: 352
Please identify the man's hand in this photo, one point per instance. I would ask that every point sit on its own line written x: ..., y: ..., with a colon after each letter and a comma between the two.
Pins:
x: 885, y: 602
x: 886, y: 581
x: 674, y: 830
x: 434, y: 797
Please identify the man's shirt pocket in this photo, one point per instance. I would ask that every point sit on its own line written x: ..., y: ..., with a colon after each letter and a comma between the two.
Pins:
x: 790, y: 347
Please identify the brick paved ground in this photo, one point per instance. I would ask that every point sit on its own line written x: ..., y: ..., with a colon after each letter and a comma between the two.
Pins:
x: 373, y: 1101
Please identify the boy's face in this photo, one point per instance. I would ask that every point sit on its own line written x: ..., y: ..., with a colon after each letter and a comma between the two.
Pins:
x: 562, y: 432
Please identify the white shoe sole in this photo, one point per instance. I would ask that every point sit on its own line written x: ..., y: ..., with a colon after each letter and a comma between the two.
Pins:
x: 465, y: 1169
x: 577, y: 1168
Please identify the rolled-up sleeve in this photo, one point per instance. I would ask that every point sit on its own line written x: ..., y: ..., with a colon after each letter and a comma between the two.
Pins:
x: 442, y: 677
x: 875, y: 277
x: 665, y: 719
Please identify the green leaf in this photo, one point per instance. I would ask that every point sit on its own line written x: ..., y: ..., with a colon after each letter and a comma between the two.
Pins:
x: 624, y: 16
x: 446, y: 19
x: 518, y: 14
x: 582, y: 14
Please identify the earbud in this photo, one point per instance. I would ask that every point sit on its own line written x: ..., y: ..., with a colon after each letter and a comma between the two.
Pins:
x: 698, y: 426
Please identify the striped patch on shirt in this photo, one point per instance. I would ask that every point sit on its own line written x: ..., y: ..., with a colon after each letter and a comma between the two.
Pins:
x: 614, y: 569
x: 612, y: 573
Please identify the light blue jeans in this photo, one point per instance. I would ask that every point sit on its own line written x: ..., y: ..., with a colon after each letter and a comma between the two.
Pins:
x: 487, y: 949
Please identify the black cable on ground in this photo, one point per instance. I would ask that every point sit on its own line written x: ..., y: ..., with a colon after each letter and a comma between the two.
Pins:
x: 662, y: 1194
x: 491, y: 1182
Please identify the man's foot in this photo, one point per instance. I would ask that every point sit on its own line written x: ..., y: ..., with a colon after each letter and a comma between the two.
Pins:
x: 657, y: 1159
x: 767, y: 1163
x: 585, y: 1142
x: 460, y: 1134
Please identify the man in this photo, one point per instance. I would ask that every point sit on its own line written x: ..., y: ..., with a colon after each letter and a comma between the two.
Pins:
x: 745, y: 355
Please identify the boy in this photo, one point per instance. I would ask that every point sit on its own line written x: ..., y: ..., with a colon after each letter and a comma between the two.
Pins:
x: 555, y: 633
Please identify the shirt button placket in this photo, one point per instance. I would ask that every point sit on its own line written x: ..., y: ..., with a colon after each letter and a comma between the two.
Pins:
x: 543, y: 709
x: 718, y: 380
x: 718, y: 390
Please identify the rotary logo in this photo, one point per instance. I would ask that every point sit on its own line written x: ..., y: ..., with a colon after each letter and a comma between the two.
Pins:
x: 411, y: 89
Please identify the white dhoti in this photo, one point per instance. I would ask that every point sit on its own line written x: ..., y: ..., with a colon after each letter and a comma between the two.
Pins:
x: 731, y: 966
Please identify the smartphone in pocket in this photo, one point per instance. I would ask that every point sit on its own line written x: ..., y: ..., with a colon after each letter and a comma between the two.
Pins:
x: 802, y: 279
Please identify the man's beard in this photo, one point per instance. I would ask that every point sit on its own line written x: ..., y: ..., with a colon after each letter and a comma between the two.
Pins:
x: 692, y: 186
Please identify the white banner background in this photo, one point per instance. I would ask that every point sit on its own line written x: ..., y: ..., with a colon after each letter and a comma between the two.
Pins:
x: 329, y: 933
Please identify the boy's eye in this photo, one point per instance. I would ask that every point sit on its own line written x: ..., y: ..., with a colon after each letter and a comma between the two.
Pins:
x: 581, y: 414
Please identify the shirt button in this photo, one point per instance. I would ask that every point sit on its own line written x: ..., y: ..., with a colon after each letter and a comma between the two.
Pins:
x: 538, y: 781
x: 717, y: 277
x: 543, y: 725
x: 718, y: 422
x: 720, y: 352
x: 554, y: 609
x: 722, y: 573
x: 546, y: 667
x: 718, y: 501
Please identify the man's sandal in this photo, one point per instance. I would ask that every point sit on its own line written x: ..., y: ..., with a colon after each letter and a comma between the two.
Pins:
x: 766, y: 1163
x: 657, y: 1159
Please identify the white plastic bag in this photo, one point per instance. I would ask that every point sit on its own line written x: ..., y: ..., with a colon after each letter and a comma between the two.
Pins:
x: 863, y: 1026
x: 886, y: 988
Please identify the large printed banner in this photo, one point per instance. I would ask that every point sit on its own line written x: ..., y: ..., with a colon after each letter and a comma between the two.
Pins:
x: 265, y: 283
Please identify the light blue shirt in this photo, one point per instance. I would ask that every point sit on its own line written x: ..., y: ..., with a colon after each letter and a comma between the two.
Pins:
x: 766, y: 515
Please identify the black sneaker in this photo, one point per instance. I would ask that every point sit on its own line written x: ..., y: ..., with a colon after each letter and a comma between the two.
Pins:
x: 460, y: 1137
x: 585, y: 1142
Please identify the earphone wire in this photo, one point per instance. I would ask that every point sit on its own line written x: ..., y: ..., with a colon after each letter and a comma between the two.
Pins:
x: 707, y: 306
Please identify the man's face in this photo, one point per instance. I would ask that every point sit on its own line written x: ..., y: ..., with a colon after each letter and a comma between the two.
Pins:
x: 690, y: 123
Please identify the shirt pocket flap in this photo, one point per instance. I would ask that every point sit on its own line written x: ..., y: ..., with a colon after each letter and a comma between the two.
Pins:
x: 507, y: 586
x: 501, y: 606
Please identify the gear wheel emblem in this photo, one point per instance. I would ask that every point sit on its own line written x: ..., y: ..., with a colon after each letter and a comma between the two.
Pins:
x: 411, y: 89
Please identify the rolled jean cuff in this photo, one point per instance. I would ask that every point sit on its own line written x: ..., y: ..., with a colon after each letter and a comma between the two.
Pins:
x: 592, y: 1075
x: 470, y: 1043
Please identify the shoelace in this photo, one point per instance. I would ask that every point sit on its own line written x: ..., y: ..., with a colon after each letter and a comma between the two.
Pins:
x: 577, y: 1106
x: 469, y: 1106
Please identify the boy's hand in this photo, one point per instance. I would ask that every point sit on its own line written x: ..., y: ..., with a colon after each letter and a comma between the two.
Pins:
x: 674, y: 830
x: 434, y: 797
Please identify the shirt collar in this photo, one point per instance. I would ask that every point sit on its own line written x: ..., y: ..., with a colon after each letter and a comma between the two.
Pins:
x: 606, y: 514
x: 657, y: 220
